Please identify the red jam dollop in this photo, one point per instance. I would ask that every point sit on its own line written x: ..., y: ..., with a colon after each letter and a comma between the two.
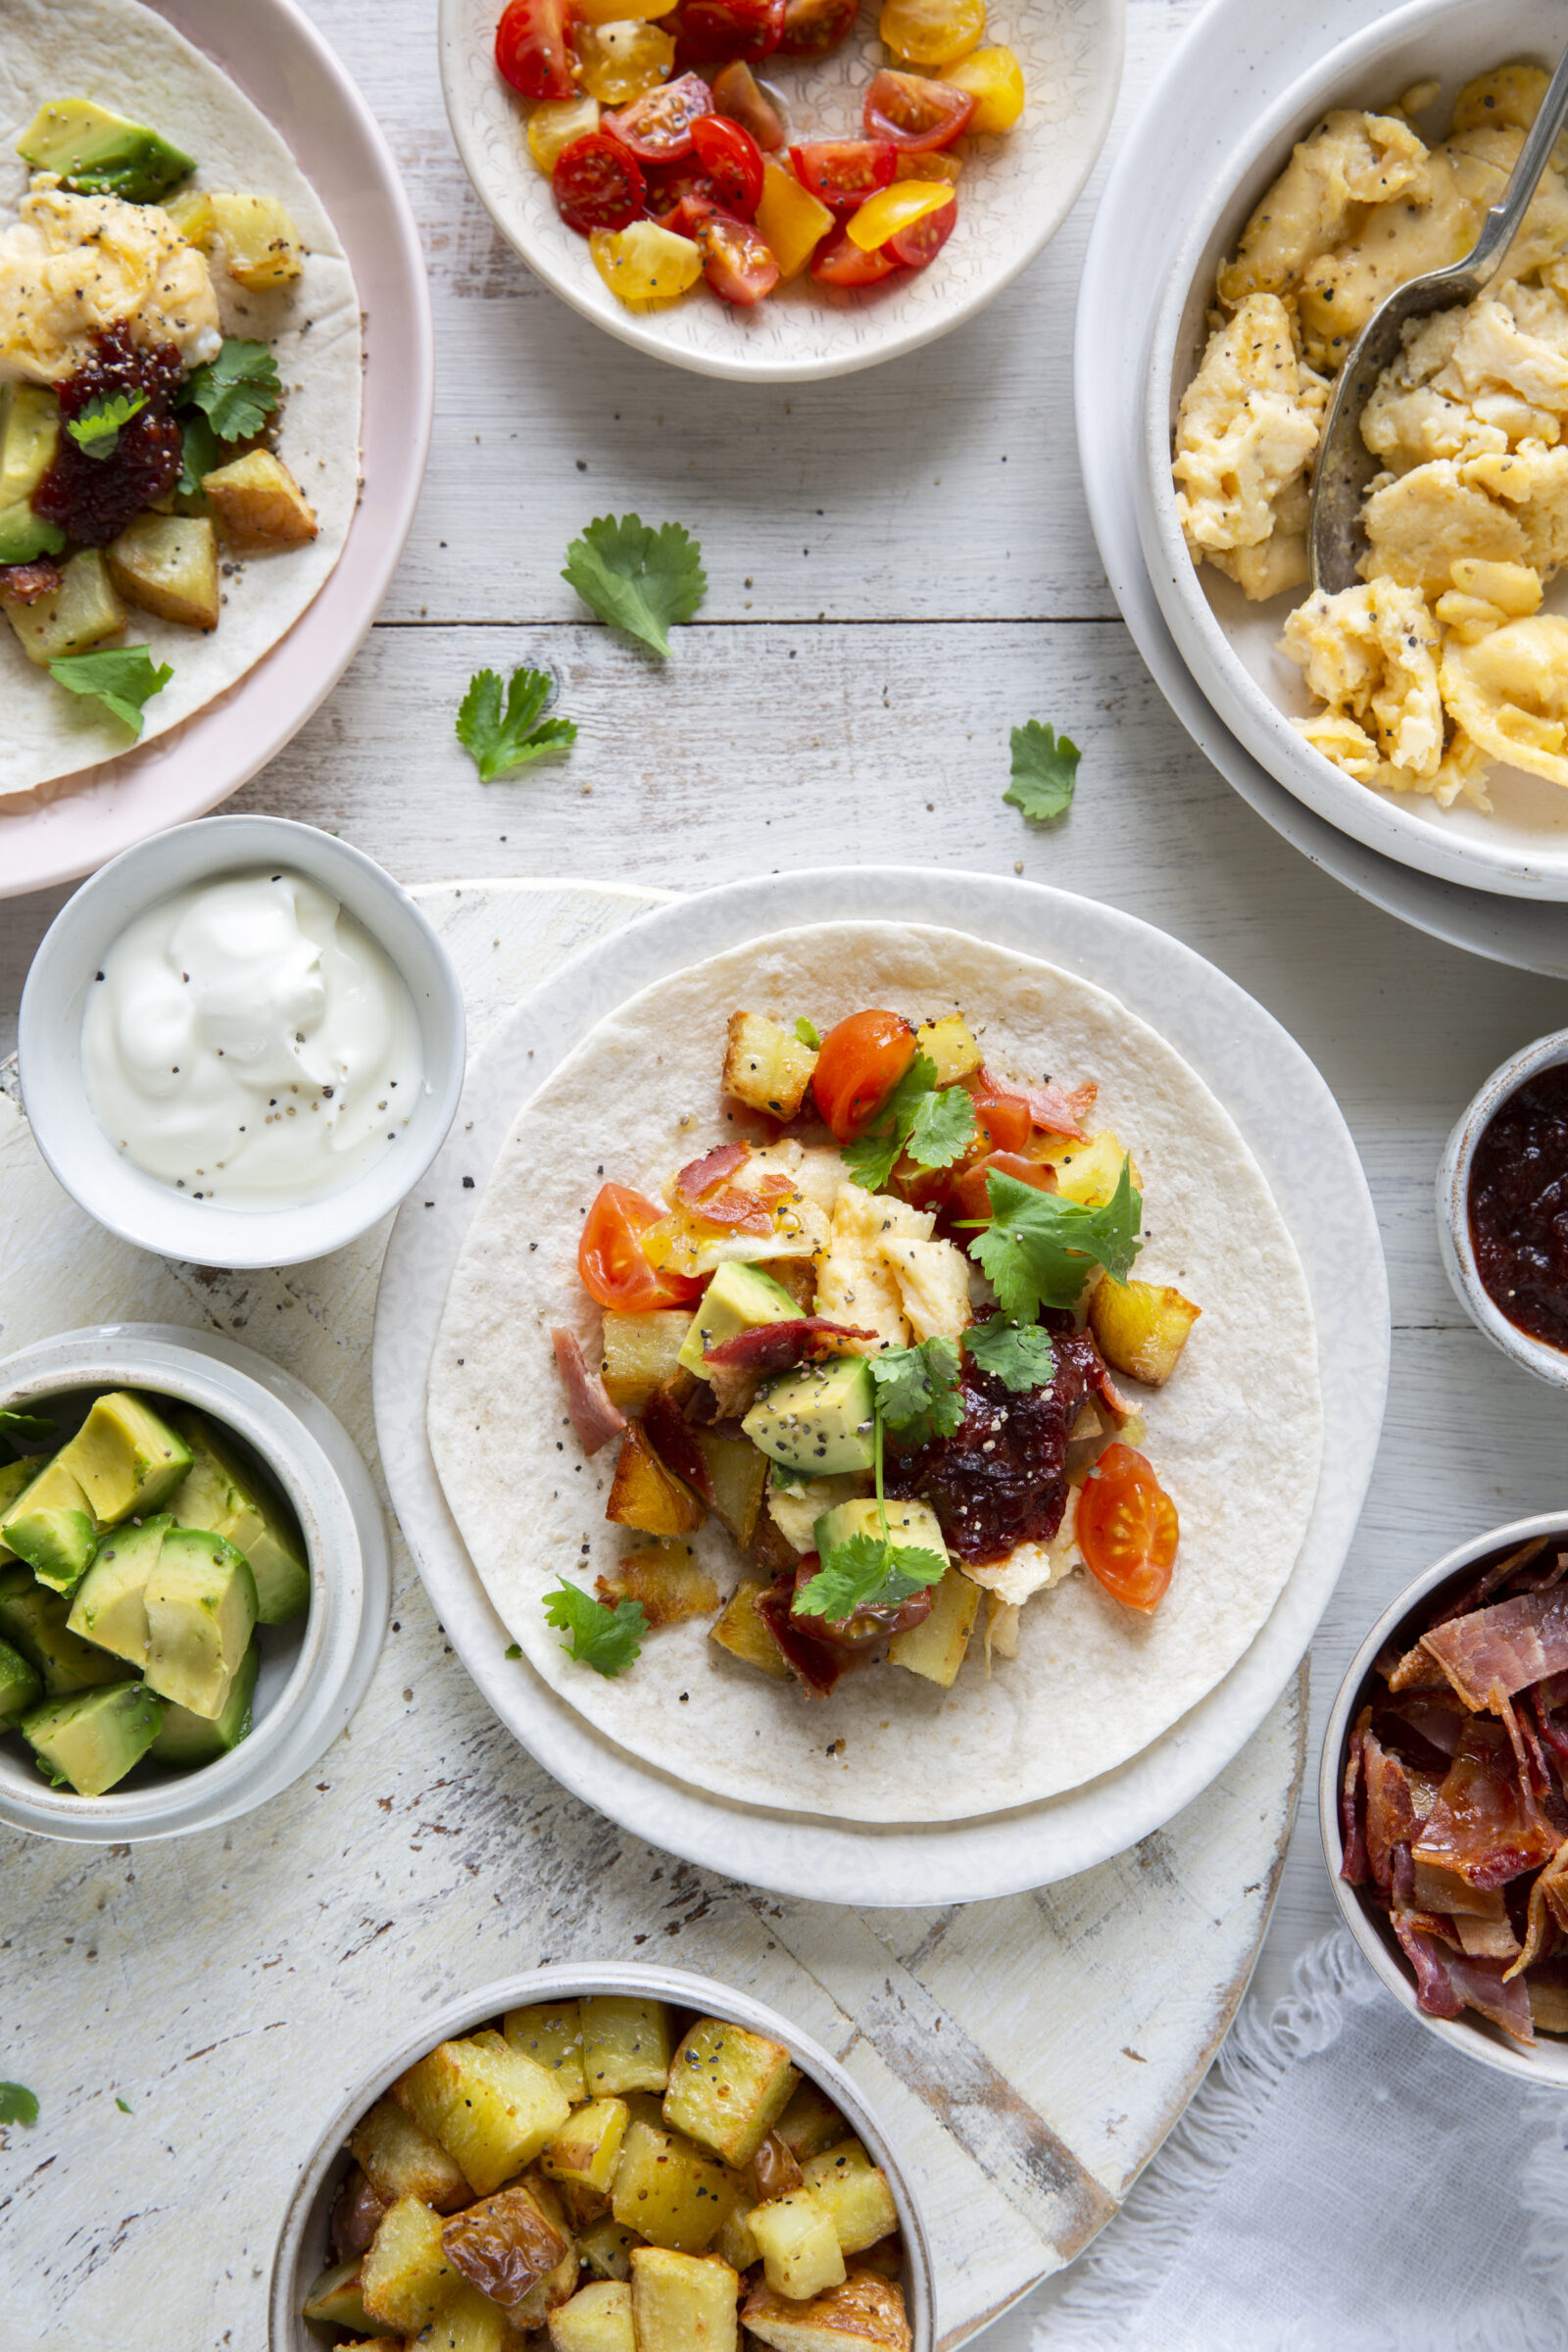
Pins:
x: 1518, y: 1207
x: 93, y: 498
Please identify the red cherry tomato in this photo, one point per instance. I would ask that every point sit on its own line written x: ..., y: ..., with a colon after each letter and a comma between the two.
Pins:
x: 859, y: 1065
x: 609, y: 1258
x: 733, y: 159
x: 842, y: 172
x: 531, y: 48
x: 736, y: 262
x: 1128, y: 1530
x: 917, y: 114
x: 812, y: 28
x: 839, y: 262
x: 708, y: 31
x: 656, y: 127
x: 738, y: 94
x: 597, y: 184
x: 669, y: 184
x: 924, y: 240
x: 686, y: 218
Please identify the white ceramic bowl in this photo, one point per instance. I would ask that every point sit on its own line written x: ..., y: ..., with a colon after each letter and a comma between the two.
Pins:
x: 315, y: 1670
x: 1231, y: 647
x: 122, y: 1197
x: 1453, y: 1216
x: 1015, y: 192
x: 1470, y: 2034
x: 302, y: 2247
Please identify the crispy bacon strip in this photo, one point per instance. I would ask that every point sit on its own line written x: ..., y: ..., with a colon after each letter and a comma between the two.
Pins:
x: 1549, y: 1912
x: 1484, y: 1825
x: 738, y: 1365
x: 669, y: 1434
x: 593, y: 1416
x: 1503, y: 1647
x: 1057, y: 1109
x: 818, y: 1665
x: 1489, y: 1581
x: 1448, y: 1983
x: 700, y: 1177
x: 1354, y: 1862
x: 25, y: 583
x: 1391, y: 1815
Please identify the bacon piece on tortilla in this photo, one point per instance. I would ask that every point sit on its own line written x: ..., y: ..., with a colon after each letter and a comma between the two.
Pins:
x: 1057, y: 1109
x: 1503, y: 1647
x: 739, y: 1365
x: 705, y: 1191
x: 818, y: 1664
x: 25, y: 583
x: 1484, y: 1825
x: 670, y: 1435
x: 594, y: 1419
x: 700, y: 1177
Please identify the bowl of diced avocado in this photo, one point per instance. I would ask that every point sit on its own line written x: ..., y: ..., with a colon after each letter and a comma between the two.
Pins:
x: 610, y: 2159
x: 193, y: 1582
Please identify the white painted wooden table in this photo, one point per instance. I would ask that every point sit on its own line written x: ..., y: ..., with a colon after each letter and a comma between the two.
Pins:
x: 900, y: 570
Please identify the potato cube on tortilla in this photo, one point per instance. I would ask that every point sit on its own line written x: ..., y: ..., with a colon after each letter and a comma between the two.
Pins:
x: 683, y: 2302
x: 810, y: 2121
x: 647, y: 1495
x: 1089, y: 1171
x: 550, y: 2033
x: 168, y: 564
x: 935, y: 1648
x: 492, y: 2109
x: 640, y: 1352
x: 766, y: 1068
x: 505, y: 2244
x: 745, y: 1635
x: 1142, y: 1326
x: 588, y: 2149
x: 257, y: 497
x: 949, y: 1043
x: 666, y: 1579
x: 81, y: 612
x: 669, y: 2192
x: 728, y: 2087
x: 864, y: 2315
x: 626, y: 2044
x: 800, y: 2253
x: 400, y: 2160
x: 260, y: 239
x: 406, y: 2276
x: 597, y: 2319
x: 739, y: 1474
x: 856, y: 2194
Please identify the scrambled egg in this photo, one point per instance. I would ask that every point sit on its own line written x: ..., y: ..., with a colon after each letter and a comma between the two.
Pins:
x: 1247, y: 429
x: 74, y: 263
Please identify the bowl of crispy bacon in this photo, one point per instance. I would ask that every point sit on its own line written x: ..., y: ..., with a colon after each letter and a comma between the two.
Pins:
x: 1443, y: 1798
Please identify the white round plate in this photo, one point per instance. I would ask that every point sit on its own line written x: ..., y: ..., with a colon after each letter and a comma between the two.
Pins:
x: 1015, y: 192
x: 284, y: 66
x: 1234, y: 60
x: 1292, y: 1124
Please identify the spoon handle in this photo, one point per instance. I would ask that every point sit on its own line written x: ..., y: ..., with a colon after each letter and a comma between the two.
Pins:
x: 1501, y: 222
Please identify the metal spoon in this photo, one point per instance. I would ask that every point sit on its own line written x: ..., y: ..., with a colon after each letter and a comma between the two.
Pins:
x: 1344, y: 464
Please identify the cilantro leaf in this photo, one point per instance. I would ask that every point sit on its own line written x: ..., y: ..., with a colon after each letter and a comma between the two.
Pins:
x: 17, y: 2104
x: 124, y: 2105
x: 637, y: 578
x: 1044, y: 772
x: 200, y: 452
x: 867, y: 1572
x: 238, y: 390
x: 498, y: 741
x: 608, y: 1640
x: 806, y: 1033
x: 1019, y: 1354
x: 96, y: 431
x: 934, y: 1125
x: 122, y: 676
x: 514, y: 1649
x: 1039, y: 1250
x: 940, y: 1127
x: 917, y: 1389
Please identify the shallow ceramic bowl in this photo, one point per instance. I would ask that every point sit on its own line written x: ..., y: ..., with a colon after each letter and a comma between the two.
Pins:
x: 1231, y: 647
x: 1453, y: 1216
x: 1015, y: 192
x: 313, y: 1671
x: 303, y: 2249
x: 120, y: 1195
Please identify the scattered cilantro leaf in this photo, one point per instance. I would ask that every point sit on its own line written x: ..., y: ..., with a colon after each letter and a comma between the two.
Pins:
x: 25, y: 1425
x: 1044, y: 772
x: 1039, y: 1250
x: 501, y: 740
x: 933, y: 1124
x: 608, y: 1639
x: 200, y: 452
x: 122, y: 676
x: 1019, y: 1354
x: 514, y: 1649
x: 917, y: 1389
x: 96, y: 431
x: 18, y: 2105
x: 637, y: 578
x: 940, y: 1127
x: 124, y: 2105
x: 238, y: 390
x: 806, y: 1033
x: 867, y: 1572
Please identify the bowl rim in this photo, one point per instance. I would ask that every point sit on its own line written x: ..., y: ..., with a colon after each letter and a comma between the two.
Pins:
x: 460, y: 2013
x: 138, y: 1208
x: 1473, y: 2037
x: 1452, y: 1198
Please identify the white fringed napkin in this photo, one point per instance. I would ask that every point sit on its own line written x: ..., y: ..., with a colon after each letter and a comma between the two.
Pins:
x: 1341, y: 2183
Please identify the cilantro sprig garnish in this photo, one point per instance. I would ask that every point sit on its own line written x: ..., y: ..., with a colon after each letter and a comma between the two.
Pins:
x: 97, y: 430
x: 867, y: 1572
x: 18, y: 2104
x: 608, y: 1639
x: 934, y: 1125
x: 637, y: 578
x: 1019, y: 1354
x: 1039, y: 1250
x: 1044, y: 772
x: 916, y: 1389
x: 238, y: 390
x: 200, y: 452
x: 122, y: 677
x: 916, y: 1392
x: 501, y: 739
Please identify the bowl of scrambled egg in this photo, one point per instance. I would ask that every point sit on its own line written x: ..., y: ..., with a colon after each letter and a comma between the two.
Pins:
x: 1424, y: 710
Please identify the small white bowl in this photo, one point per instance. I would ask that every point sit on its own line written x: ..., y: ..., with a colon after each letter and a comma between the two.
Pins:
x: 1454, y: 1210
x: 110, y: 1187
x: 303, y: 2250
x: 313, y: 1671
x: 1471, y: 2034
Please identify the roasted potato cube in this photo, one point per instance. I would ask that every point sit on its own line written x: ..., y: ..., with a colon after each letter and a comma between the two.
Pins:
x: 683, y: 2302
x: 191, y: 212
x: 261, y: 242
x: 406, y: 2276
x: 886, y: 2257
x: 605, y: 2247
x: 258, y: 499
x: 727, y: 2089
x: 864, y: 2315
x: 640, y: 1352
x: 668, y: 1580
x: 766, y: 1068
x: 669, y: 2192
x: 491, y: 2108
x: 400, y: 2160
x: 588, y: 2150
x: 626, y: 2044
x: 646, y: 1495
x: 467, y: 2322
x: 745, y: 1635
x: 505, y: 2244
x: 1142, y: 1326
x: 735, y: 2243
x: 357, y: 2213
x: 739, y: 1472
x: 810, y: 2121
x: 78, y: 615
x: 800, y: 2253
x: 949, y: 1043
x: 168, y: 564
x: 335, y: 2300
x: 935, y: 1647
x: 1090, y: 1171
x: 856, y: 2194
x: 773, y: 2171
x: 597, y: 2319
x: 550, y: 2033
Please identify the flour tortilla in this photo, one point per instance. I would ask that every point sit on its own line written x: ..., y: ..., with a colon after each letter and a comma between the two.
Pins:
x: 131, y: 62
x: 1236, y: 1433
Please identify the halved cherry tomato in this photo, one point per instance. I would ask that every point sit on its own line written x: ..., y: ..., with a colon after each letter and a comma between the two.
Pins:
x: 531, y: 48
x: 842, y: 172
x: 709, y: 31
x: 917, y: 114
x: 733, y: 159
x: 924, y: 240
x: 656, y: 127
x: 812, y: 28
x: 839, y: 262
x: 736, y: 261
x: 739, y: 94
x: 686, y: 218
x: 859, y: 1064
x: 1128, y: 1530
x: 932, y: 32
x: 597, y: 184
x: 614, y: 1272
x: 619, y: 64
x: 669, y: 184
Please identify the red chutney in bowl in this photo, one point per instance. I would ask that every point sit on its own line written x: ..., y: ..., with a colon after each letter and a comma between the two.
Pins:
x: 1518, y: 1207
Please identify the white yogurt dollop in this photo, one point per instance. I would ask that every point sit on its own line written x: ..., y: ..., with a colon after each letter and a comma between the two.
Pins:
x: 249, y: 1042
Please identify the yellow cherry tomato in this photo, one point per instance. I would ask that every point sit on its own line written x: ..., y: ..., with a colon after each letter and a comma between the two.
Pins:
x: 792, y: 222
x: 622, y: 60
x: 644, y: 266
x: 932, y: 32
x: 616, y: 12
x: 891, y: 209
x: 994, y: 79
x: 555, y: 122
x: 940, y: 164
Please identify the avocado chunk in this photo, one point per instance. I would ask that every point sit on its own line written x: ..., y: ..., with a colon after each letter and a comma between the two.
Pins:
x: 20, y: 1684
x: 821, y: 1419
x: 34, y: 1621
x: 201, y: 1610
x: 738, y: 1298
x: 914, y: 1525
x: 92, y: 1741
x: 29, y: 434
x: 188, y: 1740
x: 74, y: 616
x: 111, y: 1603
x: 220, y: 1494
x: 127, y: 1458
x: 51, y: 1525
x: 100, y: 154
x: 14, y: 1479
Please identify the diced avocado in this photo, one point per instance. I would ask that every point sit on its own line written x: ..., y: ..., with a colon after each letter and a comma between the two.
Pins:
x: 14, y: 1479
x: 56, y: 1543
x: 92, y: 1741
x: 20, y: 1684
x: 188, y: 1740
x: 100, y: 154
x: 221, y: 1493
x: 821, y: 1419
x: 126, y: 1457
x: 201, y: 1610
x: 29, y: 434
x: 33, y: 1620
x: 111, y: 1603
x: 912, y: 1524
x: 739, y: 1297
x: 74, y: 616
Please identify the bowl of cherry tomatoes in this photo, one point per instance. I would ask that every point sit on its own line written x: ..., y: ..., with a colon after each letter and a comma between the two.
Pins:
x: 780, y: 189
